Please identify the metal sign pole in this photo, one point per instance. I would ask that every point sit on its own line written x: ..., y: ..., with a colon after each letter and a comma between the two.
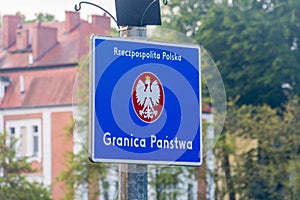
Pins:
x: 133, y: 178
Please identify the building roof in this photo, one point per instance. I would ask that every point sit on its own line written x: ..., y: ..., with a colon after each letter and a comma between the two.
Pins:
x: 70, y: 48
x: 47, y: 77
x: 47, y: 87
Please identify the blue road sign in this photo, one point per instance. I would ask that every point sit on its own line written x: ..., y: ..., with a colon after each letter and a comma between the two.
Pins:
x: 145, y: 102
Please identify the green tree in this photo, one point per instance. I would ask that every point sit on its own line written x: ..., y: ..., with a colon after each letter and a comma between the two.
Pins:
x: 23, y: 17
x: 13, y: 182
x: 254, y: 43
x: 81, y: 175
x: 166, y: 181
x: 39, y: 17
x: 294, y: 184
x: 185, y: 15
x: 291, y: 122
x: 266, y: 163
x: 255, y: 46
x: 43, y: 17
x: 258, y: 152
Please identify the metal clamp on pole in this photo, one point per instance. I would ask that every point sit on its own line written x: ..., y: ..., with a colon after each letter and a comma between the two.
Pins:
x: 133, y: 32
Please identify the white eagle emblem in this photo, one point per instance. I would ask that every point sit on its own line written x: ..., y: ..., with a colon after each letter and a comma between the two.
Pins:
x: 148, y: 96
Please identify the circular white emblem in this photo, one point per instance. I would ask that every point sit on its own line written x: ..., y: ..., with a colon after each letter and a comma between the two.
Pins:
x: 147, y: 97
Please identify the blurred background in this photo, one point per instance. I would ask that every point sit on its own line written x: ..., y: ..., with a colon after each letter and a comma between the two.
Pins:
x: 254, y: 44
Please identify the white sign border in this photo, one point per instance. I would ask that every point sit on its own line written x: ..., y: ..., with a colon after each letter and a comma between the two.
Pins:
x: 93, y: 38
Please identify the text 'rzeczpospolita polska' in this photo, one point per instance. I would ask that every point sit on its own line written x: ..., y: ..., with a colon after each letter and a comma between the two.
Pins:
x: 146, y: 54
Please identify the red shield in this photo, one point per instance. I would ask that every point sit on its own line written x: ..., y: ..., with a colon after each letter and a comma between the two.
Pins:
x: 147, y: 97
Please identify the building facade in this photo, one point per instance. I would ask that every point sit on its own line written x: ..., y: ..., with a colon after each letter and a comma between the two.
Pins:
x: 38, y: 68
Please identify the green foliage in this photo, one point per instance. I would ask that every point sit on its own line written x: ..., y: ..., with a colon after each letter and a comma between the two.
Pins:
x: 13, y: 183
x: 255, y: 49
x: 82, y: 175
x: 184, y: 15
x: 18, y: 188
x: 23, y: 17
x: 166, y: 181
x: 294, y: 184
x: 291, y: 123
x: 43, y: 17
x: 259, y: 152
x: 39, y: 17
x: 254, y: 44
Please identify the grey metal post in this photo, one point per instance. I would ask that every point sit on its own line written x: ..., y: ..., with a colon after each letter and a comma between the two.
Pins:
x: 133, y: 178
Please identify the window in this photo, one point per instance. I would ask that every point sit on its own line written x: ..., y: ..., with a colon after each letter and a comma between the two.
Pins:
x: 35, y: 140
x: 26, y: 138
x: 23, y: 130
x: 12, y: 130
x: 11, y: 137
x: 35, y: 129
x: 35, y: 145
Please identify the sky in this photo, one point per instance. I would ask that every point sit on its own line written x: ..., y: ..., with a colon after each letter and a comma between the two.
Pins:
x: 54, y: 7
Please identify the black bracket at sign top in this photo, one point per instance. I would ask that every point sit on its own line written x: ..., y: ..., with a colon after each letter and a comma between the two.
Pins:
x: 133, y: 12
x: 78, y: 8
x: 138, y: 12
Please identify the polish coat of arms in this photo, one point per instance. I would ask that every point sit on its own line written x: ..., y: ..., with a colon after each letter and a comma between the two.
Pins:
x: 148, y: 97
